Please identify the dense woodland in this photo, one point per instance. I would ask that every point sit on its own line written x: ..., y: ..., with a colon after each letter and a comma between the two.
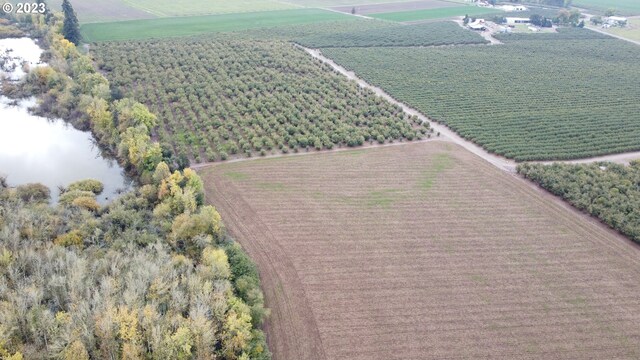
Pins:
x: 218, y: 98
x: 151, y: 276
x: 606, y: 190
x: 513, y: 99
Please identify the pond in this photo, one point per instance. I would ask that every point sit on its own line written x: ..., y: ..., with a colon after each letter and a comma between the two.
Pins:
x: 49, y: 151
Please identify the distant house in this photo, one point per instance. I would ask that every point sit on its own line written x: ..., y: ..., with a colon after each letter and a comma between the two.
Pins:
x: 478, y: 25
x: 510, y: 8
x: 517, y: 20
x: 615, y: 21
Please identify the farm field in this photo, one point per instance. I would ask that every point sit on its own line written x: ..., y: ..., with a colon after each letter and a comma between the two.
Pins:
x: 625, y: 7
x: 425, y: 251
x: 631, y: 31
x: 368, y: 9
x: 502, y: 103
x: 167, y: 8
x: 429, y: 34
x: 90, y: 11
x: 430, y: 14
x: 334, y: 3
x: 230, y: 98
x: 195, y: 25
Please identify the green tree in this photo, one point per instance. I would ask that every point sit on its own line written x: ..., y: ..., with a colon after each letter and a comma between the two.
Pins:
x: 71, y: 27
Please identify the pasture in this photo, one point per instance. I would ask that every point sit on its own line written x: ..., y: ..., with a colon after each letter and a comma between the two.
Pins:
x: 425, y: 251
x: 169, y: 8
x: 537, y: 97
x: 90, y: 11
x: 195, y: 25
x: 439, y: 13
x: 368, y: 9
x: 624, y: 7
x: 221, y: 98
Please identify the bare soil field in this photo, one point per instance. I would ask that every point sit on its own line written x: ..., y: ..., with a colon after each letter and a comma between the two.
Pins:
x: 394, y: 7
x: 426, y: 251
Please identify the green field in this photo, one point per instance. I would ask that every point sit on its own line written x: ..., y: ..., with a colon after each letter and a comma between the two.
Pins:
x: 429, y: 14
x: 194, y: 25
x: 537, y: 97
x: 168, y: 8
x: 625, y: 7
x: 328, y: 3
x: 429, y: 34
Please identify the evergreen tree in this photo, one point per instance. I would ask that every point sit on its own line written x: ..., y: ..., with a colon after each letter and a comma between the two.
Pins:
x: 71, y: 28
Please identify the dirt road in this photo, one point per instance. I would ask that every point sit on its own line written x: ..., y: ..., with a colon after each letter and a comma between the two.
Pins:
x: 498, y: 161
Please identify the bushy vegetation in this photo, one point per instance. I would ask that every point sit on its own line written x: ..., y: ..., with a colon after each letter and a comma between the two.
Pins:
x: 429, y: 34
x: 537, y: 97
x: 218, y: 98
x: 151, y: 276
x: 606, y: 190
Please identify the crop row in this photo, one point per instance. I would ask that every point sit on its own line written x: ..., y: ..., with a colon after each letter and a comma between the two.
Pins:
x: 218, y: 98
x: 528, y: 100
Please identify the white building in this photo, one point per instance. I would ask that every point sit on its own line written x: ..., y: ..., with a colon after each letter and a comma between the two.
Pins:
x: 517, y: 20
x: 616, y: 21
x: 510, y: 8
x: 477, y: 25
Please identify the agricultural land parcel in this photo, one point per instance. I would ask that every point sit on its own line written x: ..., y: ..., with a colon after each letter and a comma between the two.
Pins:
x: 118, y: 10
x: 438, y: 13
x: 631, y: 31
x: 194, y: 25
x: 368, y: 9
x: 425, y: 251
x: 222, y: 97
x: 537, y: 97
x: 625, y: 7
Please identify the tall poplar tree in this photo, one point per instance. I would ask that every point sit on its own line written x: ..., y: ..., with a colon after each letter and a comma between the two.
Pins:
x: 71, y: 27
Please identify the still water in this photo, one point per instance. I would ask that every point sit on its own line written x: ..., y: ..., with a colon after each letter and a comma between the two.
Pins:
x: 48, y: 151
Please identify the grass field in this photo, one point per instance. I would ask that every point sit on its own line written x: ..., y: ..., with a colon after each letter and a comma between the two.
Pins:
x: 537, y: 97
x: 330, y: 3
x: 194, y: 25
x: 90, y: 11
x: 429, y: 14
x: 631, y: 31
x: 625, y: 7
x: 166, y: 8
x: 425, y: 251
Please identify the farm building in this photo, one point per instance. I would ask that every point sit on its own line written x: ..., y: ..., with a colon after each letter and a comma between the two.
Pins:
x: 510, y: 8
x: 517, y: 20
x: 616, y: 21
x: 478, y: 25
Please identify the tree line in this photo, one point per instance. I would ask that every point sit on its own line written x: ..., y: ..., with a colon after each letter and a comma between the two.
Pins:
x: 152, y: 275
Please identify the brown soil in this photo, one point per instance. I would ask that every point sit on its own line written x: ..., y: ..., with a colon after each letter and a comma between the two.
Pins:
x: 426, y: 251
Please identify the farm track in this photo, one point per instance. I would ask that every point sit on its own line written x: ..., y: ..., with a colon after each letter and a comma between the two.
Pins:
x: 498, y: 161
x: 458, y: 260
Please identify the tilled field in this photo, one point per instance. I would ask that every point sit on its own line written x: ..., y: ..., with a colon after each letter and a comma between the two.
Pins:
x: 425, y: 251
x: 393, y: 7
